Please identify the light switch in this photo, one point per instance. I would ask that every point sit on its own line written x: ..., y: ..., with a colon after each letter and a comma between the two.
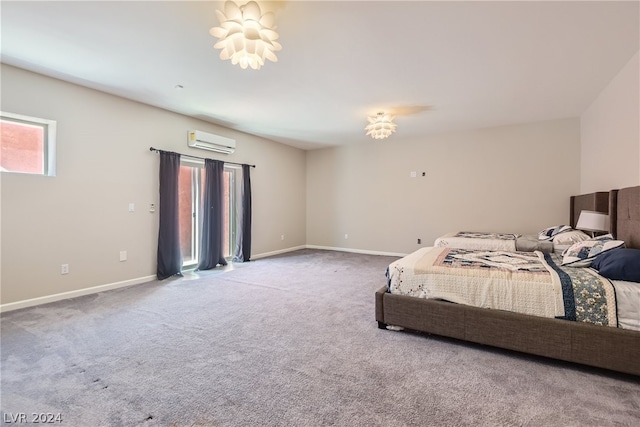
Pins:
x: 413, y: 174
x: 132, y: 207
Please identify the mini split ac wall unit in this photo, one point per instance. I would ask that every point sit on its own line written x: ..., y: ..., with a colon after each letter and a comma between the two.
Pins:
x: 211, y: 142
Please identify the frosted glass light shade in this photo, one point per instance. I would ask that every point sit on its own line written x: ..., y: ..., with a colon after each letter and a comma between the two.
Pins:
x: 380, y: 126
x: 246, y: 36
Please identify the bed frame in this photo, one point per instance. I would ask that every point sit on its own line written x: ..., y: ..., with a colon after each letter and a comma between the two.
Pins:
x: 603, y: 347
x: 598, y: 202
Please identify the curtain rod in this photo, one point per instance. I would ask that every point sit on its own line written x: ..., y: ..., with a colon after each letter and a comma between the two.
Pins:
x: 196, y: 157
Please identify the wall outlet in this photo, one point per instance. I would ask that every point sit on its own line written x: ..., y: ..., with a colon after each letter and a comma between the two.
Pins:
x: 282, y: 237
x: 64, y: 269
x: 152, y: 207
x: 123, y: 255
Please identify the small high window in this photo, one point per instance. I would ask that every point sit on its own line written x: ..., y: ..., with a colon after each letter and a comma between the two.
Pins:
x: 27, y: 144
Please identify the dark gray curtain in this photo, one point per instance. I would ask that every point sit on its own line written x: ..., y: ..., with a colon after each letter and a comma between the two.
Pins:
x: 243, y: 233
x: 211, y: 250
x: 169, y: 255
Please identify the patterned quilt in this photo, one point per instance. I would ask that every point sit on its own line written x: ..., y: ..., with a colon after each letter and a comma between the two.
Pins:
x: 481, y: 235
x: 478, y: 241
x: 525, y: 282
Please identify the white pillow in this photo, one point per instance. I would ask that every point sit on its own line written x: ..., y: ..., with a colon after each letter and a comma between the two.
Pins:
x: 570, y: 237
x: 581, y: 254
x: 551, y: 232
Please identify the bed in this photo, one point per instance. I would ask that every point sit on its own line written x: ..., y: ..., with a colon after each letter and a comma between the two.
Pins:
x: 607, y: 347
x: 598, y: 202
x: 493, y: 241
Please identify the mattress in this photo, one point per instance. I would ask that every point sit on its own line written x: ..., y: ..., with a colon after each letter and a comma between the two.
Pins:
x: 530, y: 283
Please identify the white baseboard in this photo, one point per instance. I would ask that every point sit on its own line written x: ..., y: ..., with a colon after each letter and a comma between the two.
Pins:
x: 327, y: 248
x: 109, y: 286
x: 278, y: 252
x: 72, y: 294
x: 355, y: 251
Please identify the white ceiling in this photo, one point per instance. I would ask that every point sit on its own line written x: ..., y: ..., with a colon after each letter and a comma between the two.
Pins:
x: 439, y: 66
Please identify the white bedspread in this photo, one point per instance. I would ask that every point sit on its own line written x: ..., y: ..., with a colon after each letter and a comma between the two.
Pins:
x: 628, y: 296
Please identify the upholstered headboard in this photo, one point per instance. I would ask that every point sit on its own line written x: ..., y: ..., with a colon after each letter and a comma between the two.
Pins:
x: 625, y: 209
x: 598, y: 202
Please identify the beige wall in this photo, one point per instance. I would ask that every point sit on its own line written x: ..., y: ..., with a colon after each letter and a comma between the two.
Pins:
x: 610, y: 134
x: 80, y: 217
x: 510, y: 179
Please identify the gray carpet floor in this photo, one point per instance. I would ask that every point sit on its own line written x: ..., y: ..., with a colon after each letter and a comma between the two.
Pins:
x: 289, y: 340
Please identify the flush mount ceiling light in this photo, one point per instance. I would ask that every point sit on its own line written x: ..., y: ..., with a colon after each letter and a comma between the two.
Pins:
x: 246, y: 36
x: 380, y: 126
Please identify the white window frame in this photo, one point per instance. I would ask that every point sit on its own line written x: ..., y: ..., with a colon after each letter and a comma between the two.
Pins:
x: 197, y: 166
x: 197, y: 211
x: 233, y: 208
x: 48, y: 144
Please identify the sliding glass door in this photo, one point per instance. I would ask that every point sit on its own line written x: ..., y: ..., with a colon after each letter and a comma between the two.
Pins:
x: 191, y: 183
x: 229, y: 211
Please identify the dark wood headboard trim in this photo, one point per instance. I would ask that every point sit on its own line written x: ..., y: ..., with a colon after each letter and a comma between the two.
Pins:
x: 613, y: 212
x: 598, y: 202
x: 627, y: 202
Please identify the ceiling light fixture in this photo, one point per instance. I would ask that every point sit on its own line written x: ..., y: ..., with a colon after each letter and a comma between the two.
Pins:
x: 380, y: 126
x: 246, y: 36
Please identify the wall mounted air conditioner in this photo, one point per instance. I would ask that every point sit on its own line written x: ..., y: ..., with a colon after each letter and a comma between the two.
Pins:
x: 211, y: 142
